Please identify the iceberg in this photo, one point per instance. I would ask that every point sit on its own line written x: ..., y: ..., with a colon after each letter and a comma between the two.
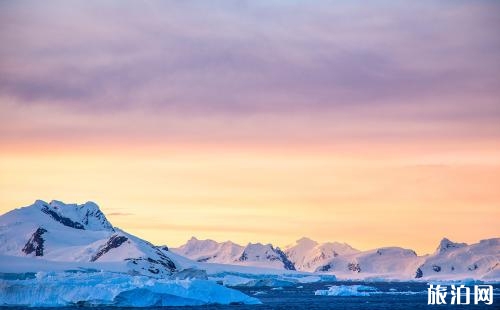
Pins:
x: 346, y: 290
x: 114, y: 289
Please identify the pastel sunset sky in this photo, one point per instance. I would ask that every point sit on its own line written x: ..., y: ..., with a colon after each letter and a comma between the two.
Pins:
x: 374, y: 123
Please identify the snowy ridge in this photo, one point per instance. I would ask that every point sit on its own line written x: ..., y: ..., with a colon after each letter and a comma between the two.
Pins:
x: 309, y: 255
x: 210, y: 251
x: 54, y: 254
x: 63, y: 232
x: 451, y: 260
x: 388, y: 262
x: 480, y: 260
x: 79, y: 258
x: 253, y: 254
x: 86, y: 216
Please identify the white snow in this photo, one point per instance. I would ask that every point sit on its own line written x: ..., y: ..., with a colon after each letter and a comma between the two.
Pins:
x: 308, y: 255
x: 450, y: 261
x: 80, y: 258
x: 117, y: 289
x: 253, y: 254
x: 346, y: 290
x: 210, y: 251
x: 78, y: 248
x: 64, y: 243
x: 461, y: 261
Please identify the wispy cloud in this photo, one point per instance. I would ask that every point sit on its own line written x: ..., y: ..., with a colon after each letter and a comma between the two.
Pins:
x: 119, y: 214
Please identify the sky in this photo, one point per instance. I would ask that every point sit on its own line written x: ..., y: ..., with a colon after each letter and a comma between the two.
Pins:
x: 374, y: 123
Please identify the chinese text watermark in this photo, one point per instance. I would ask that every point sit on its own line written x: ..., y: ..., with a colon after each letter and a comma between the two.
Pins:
x: 459, y: 294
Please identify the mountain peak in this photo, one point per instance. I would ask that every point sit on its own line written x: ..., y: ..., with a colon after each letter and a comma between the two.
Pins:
x: 446, y: 244
x: 84, y: 216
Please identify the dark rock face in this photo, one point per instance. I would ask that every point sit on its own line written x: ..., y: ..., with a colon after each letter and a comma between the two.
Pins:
x: 99, y: 216
x: 154, y: 270
x: 419, y: 273
x: 473, y: 267
x: 35, y: 243
x: 113, y: 242
x: 163, y: 247
x: 203, y: 260
x: 286, y: 262
x: 154, y: 266
x: 61, y: 219
x: 276, y: 255
x: 354, y: 267
x: 436, y: 268
x: 325, y: 268
x: 447, y: 245
x: 163, y: 261
x: 243, y: 257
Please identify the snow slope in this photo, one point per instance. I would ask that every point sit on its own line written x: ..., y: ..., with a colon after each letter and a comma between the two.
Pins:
x: 459, y: 260
x: 479, y: 261
x: 253, y: 254
x: 451, y: 261
x: 308, y: 255
x: 81, y: 233
x: 387, y: 263
x: 210, y: 251
x: 60, y: 237
x: 56, y: 254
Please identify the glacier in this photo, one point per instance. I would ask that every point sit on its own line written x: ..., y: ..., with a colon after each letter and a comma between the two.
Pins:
x: 57, y: 254
x: 51, y: 289
x: 346, y: 290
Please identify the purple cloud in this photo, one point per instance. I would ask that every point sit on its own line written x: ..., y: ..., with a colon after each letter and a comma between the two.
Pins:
x: 429, y: 61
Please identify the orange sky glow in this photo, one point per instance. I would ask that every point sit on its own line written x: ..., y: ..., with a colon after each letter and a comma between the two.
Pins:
x: 269, y: 194
x: 373, y: 123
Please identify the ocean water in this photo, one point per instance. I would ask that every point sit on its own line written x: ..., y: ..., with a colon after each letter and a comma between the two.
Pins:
x: 388, y: 295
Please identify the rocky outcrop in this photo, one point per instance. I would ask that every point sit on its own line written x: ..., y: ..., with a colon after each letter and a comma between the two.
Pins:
x: 61, y: 219
x: 447, y: 245
x: 419, y: 273
x: 354, y: 267
x: 286, y: 262
x: 160, y: 265
x: 35, y: 243
x: 113, y: 242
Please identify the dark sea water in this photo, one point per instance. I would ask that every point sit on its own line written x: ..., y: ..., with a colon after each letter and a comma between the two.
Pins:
x: 390, y: 295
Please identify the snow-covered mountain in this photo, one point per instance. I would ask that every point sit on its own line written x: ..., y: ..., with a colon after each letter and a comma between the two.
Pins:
x: 62, y: 232
x: 58, y: 234
x: 450, y: 261
x: 387, y: 262
x: 57, y: 254
x: 210, y: 251
x: 253, y: 254
x: 459, y: 260
x: 308, y: 255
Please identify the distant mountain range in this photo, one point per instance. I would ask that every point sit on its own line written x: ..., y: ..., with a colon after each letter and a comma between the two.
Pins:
x: 253, y: 254
x: 449, y: 261
x: 81, y: 235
